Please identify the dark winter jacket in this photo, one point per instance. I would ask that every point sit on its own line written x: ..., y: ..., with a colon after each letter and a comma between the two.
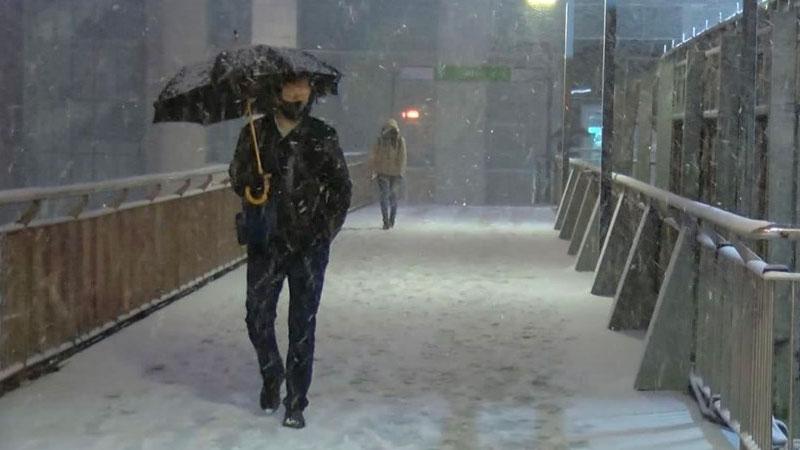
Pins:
x: 310, y: 181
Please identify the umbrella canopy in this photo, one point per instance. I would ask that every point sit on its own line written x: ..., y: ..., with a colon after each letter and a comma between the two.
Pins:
x: 217, y: 90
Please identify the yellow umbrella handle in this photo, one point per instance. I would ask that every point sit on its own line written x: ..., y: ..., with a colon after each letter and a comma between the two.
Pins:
x: 248, y: 194
x: 260, y: 200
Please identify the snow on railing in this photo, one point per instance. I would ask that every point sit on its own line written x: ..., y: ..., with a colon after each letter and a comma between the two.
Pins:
x: 29, y: 206
x: 158, y: 187
x: 120, y: 184
x: 739, y: 225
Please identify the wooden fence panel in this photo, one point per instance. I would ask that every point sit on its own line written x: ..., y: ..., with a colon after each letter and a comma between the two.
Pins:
x: 16, y: 284
x: 61, y: 283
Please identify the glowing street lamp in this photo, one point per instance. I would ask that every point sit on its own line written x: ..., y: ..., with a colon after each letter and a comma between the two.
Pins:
x: 541, y: 3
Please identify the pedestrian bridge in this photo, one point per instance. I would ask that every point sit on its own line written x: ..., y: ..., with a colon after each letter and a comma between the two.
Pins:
x: 122, y: 324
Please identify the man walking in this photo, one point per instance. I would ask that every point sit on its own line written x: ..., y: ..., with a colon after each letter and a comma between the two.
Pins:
x: 310, y: 187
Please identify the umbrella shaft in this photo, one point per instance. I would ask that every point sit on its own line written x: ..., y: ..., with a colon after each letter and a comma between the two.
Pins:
x: 254, y: 137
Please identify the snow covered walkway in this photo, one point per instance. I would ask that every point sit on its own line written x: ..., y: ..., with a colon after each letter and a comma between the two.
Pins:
x: 463, y: 328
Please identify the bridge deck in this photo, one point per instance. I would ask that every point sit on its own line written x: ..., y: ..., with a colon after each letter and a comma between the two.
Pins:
x: 462, y: 328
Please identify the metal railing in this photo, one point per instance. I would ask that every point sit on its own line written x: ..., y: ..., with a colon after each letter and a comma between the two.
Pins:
x: 741, y: 226
x: 152, y: 188
x: 718, y: 317
x: 737, y: 293
x: 20, y: 208
x: 78, y: 262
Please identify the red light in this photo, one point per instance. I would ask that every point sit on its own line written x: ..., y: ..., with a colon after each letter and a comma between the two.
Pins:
x: 411, y: 114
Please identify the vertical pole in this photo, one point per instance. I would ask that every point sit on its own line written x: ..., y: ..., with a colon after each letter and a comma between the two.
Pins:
x: 781, y: 130
x: 565, y: 123
x: 728, y: 136
x: 692, y: 124
x: 781, y: 184
x: 645, y: 124
x: 794, y: 344
x: 606, y: 164
x: 547, y: 160
x: 747, y: 92
x: 664, y: 123
x: 393, y: 98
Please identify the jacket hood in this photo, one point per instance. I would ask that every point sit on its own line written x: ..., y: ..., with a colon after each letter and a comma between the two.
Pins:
x: 390, y: 124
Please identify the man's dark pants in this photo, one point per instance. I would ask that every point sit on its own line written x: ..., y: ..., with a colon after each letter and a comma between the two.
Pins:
x: 266, y: 271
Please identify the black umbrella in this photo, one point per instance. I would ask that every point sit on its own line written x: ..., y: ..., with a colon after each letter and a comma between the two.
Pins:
x: 239, y: 83
x: 217, y: 90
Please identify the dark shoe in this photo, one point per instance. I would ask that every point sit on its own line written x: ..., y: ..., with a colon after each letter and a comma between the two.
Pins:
x: 386, y: 226
x: 294, y: 419
x: 271, y: 396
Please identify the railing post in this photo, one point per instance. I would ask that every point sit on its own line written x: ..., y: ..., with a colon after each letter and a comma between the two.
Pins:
x: 575, y: 206
x: 589, y: 252
x: 616, y: 247
x: 584, y: 216
x: 637, y: 291
x: 566, y: 197
x: 30, y: 213
x: 666, y: 362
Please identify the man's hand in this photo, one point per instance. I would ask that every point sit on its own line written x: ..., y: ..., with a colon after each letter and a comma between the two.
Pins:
x: 255, y: 181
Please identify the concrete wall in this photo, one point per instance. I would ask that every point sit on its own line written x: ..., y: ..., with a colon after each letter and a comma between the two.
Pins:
x: 180, y: 37
x: 88, y: 73
x: 82, y: 107
x: 465, y: 36
x: 275, y: 22
x: 12, y: 163
x: 87, y: 111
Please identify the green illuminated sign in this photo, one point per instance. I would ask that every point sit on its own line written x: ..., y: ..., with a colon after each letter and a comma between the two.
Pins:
x: 446, y: 72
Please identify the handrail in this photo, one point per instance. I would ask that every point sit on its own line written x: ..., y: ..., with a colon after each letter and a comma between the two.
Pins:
x: 24, y: 195
x: 740, y: 225
x: 184, y: 183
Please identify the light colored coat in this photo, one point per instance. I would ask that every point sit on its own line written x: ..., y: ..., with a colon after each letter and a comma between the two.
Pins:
x: 388, y: 159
